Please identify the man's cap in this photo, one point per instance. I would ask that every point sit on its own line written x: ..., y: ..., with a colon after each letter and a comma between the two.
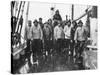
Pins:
x: 57, y: 10
x: 49, y: 19
x: 69, y: 21
x: 80, y: 21
x: 29, y: 21
x: 35, y: 21
x: 73, y: 21
x: 40, y: 18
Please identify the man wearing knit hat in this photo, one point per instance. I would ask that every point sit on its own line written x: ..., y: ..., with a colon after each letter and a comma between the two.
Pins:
x: 36, y: 37
x: 80, y: 38
x: 67, y: 32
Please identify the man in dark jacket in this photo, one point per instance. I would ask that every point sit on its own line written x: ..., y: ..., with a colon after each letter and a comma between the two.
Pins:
x: 47, y: 36
x: 57, y: 17
x: 73, y: 29
x: 41, y: 23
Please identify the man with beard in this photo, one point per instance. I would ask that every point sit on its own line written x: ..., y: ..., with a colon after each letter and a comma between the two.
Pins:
x: 73, y: 29
x: 80, y: 39
x: 67, y: 32
x: 57, y: 17
x: 36, y: 37
x: 59, y: 36
x: 41, y: 23
x: 47, y: 36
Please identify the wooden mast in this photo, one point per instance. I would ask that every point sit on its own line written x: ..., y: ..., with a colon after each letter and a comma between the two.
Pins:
x: 72, y: 12
x: 27, y: 12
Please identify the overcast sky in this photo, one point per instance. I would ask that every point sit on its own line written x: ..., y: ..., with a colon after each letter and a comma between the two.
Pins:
x: 38, y: 9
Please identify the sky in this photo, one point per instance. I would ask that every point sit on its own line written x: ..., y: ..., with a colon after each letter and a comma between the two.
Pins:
x: 41, y: 9
x: 38, y: 9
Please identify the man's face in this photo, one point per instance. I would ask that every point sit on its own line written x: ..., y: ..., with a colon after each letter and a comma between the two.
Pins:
x: 40, y: 20
x: 29, y: 23
x: 35, y: 23
x: 57, y: 12
x: 80, y: 24
x: 69, y: 23
x: 59, y: 23
x: 73, y: 24
x: 49, y: 21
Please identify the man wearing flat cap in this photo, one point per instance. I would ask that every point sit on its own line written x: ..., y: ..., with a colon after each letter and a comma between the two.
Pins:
x: 41, y: 23
x: 80, y: 38
x: 67, y: 32
x: 58, y: 36
x: 36, y: 37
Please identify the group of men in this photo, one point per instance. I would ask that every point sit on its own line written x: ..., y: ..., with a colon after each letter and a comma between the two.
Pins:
x: 55, y: 35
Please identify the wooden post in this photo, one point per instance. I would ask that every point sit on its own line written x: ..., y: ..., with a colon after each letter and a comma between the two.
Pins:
x: 72, y: 11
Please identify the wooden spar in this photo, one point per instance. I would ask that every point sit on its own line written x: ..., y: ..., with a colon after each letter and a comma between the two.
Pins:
x: 16, y: 9
x: 19, y: 10
x: 23, y: 8
x: 12, y: 7
x: 83, y: 14
x: 27, y: 12
x: 18, y: 16
x: 72, y: 12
